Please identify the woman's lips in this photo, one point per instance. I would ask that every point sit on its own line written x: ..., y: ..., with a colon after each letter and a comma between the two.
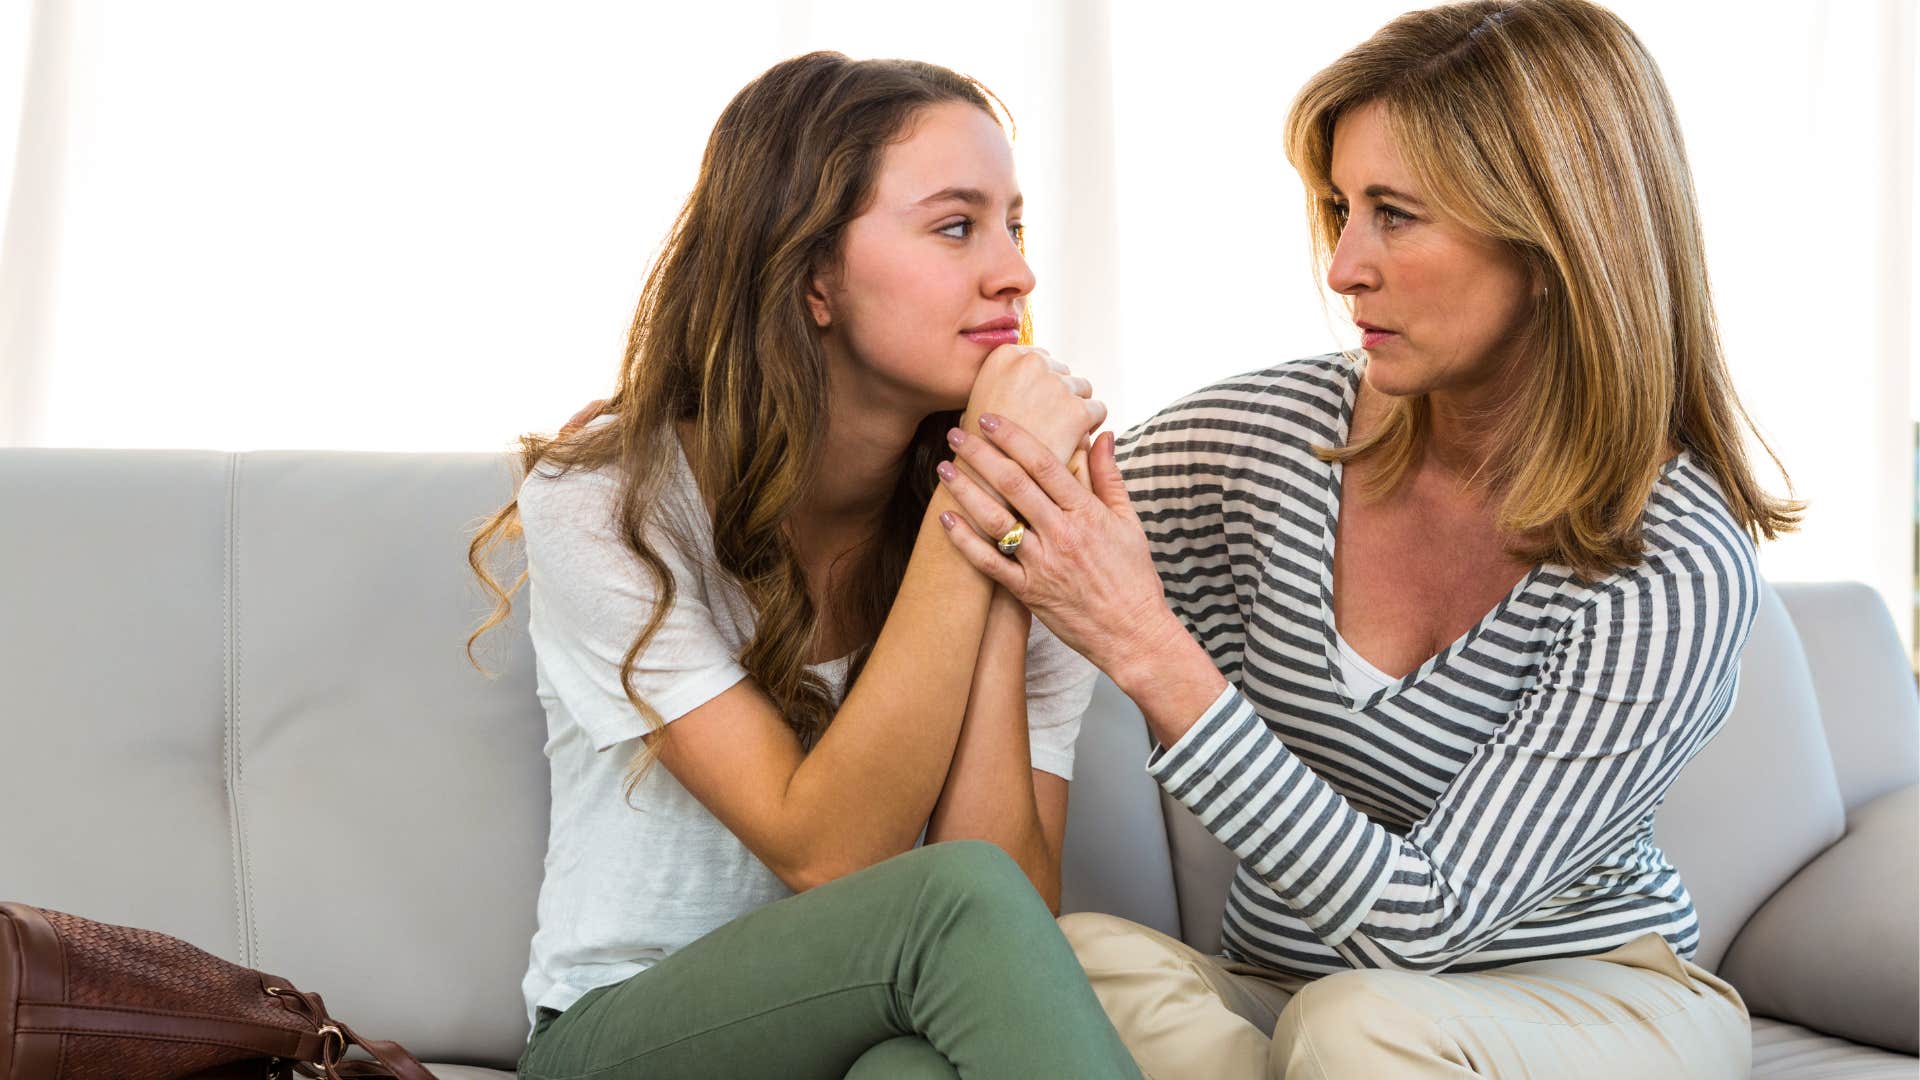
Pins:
x: 1371, y: 339
x: 993, y: 338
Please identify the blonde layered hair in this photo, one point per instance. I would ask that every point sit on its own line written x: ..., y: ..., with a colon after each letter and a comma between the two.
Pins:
x: 1545, y: 124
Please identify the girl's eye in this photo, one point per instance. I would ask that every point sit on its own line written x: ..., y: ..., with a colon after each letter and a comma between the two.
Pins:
x: 959, y: 230
x: 1018, y: 232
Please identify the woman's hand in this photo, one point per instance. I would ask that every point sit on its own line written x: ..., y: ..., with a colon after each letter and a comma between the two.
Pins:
x: 1031, y: 387
x: 1084, y: 568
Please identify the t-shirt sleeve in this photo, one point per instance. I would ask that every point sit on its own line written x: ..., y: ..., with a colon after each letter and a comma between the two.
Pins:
x: 589, y: 599
x: 1059, y: 688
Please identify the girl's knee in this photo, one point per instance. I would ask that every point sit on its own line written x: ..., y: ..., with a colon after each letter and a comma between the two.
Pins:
x: 908, y: 1057
x: 969, y: 866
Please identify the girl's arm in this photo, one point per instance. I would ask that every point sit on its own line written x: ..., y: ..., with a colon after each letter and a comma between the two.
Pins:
x: 992, y: 791
x: 865, y: 791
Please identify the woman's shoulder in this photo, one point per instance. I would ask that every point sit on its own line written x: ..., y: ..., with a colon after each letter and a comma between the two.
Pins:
x: 1299, y: 404
x: 1694, y: 553
x: 1688, y: 523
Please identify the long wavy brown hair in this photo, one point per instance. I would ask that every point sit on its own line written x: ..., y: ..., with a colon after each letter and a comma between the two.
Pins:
x: 723, y: 344
x: 1545, y: 124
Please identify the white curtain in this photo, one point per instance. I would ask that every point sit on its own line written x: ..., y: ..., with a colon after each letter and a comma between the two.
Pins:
x: 423, y: 224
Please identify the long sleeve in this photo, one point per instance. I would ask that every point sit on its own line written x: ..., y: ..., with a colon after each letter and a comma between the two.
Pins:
x: 1635, y: 683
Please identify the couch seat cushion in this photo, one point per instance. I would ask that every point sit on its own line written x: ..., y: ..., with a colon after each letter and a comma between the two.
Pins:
x: 1783, y: 1051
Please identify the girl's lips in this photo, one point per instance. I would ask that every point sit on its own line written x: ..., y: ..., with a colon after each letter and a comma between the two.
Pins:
x: 993, y: 338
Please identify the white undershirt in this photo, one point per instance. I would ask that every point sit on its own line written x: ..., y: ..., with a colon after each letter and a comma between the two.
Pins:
x: 1361, y: 677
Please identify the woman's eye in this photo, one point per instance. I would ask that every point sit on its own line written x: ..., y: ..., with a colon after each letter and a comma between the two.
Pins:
x: 959, y: 230
x: 1338, y: 210
x: 1018, y: 232
x: 1393, y: 217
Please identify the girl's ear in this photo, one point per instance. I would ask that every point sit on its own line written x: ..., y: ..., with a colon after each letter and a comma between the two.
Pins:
x: 819, y: 288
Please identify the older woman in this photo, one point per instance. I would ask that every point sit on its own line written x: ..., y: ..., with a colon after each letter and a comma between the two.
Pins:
x: 1424, y: 635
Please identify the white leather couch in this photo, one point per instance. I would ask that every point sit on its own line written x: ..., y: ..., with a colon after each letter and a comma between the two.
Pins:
x: 236, y: 709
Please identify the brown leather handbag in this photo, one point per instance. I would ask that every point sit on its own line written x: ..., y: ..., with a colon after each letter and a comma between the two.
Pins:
x: 81, y: 1000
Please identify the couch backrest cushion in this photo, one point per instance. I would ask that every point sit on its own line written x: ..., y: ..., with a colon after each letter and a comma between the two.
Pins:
x: 1761, y: 799
x: 393, y: 800
x: 1115, y: 856
x: 113, y: 755
x: 1865, y: 684
x: 240, y: 713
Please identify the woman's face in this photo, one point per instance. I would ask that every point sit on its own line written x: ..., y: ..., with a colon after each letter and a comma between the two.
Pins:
x: 1438, y: 306
x: 930, y: 277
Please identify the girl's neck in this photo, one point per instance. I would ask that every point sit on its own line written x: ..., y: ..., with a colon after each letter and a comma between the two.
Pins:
x: 858, y: 471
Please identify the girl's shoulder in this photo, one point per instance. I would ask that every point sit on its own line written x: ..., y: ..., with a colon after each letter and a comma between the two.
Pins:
x: 584, y: 502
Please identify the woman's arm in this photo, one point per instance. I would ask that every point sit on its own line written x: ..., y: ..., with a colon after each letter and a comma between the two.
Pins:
x: 1639, y: 680
x: 1635, y: 686
x: 992, y: 790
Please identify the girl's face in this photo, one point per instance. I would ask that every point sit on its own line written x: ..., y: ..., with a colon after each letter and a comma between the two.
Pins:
x: 1439, y: 306
x: 930, y: 277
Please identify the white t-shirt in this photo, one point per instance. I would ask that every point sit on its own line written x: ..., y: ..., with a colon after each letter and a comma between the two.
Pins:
x: 626, y: 884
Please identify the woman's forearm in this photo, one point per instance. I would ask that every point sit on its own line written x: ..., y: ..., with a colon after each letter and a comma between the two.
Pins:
x: 989, y: 792
x: 1171, y: 678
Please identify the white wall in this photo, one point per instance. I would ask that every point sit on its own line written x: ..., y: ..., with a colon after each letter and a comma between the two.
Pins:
x: 423, y: 224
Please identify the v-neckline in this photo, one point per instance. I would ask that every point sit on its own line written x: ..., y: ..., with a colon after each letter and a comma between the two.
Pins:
x: 1330, y: 639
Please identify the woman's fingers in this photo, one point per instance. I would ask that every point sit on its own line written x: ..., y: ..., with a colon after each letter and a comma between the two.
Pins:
x: 1022, y: 470
x: 984, y: 557
x: 1001, y: 476
x: 980, y: 508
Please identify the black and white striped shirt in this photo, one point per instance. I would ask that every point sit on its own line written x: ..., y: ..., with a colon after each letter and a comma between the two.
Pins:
x: 1493, y: 806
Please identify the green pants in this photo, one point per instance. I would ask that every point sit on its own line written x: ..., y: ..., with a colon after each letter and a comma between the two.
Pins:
x: 941, y: 962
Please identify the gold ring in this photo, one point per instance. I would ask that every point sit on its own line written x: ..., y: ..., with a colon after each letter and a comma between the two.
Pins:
x: 1010, y: 543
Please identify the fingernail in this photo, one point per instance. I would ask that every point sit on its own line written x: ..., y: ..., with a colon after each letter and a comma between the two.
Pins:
x: 955, y: 437
x: 948, y: 521
x: 989, y: 422
x: 946, y: 470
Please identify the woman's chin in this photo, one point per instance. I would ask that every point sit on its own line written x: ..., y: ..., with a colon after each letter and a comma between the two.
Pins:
x: 1390, y: 380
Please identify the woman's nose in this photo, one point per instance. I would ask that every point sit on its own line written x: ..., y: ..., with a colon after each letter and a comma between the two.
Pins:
x: 1352, y: 268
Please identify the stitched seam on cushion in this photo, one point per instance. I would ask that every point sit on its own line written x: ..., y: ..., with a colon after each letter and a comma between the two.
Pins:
x: 242, y: 882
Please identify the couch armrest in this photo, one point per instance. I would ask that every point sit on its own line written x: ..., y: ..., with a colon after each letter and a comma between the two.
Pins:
x: 1837, y: 948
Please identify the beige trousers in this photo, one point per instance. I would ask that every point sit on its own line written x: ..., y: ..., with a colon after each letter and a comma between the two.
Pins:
x: 1639, y: 1012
